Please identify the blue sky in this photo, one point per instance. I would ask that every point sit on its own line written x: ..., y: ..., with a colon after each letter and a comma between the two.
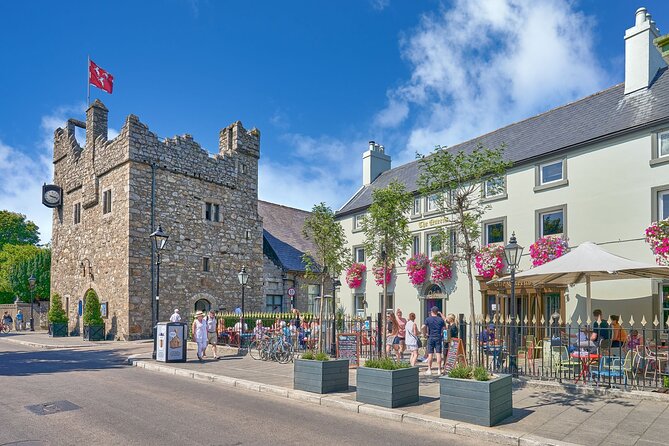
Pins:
x: 319, y: 79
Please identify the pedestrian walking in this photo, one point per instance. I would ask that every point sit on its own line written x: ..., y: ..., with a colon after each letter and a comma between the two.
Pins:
x: 7, y: 320
x: 176, y: 317
x: 392, y: 328
x: 19, y: 320
x: 400, y: 340
x: 434, y: 325
x: 412, y: 338
x: 212, y: 336
x: 200, y: 334
x: 450, y: 332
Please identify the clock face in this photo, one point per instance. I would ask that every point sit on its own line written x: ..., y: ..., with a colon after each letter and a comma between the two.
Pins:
x: 52, y: 196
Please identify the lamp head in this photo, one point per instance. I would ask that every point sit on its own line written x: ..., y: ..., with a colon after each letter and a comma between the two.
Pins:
x: 243, y: 276
x: 512, y: 252
x: 159, y: 238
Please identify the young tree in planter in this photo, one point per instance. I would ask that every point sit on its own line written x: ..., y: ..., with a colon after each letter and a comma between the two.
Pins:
x: 57, y: 314
x: 92, y: 315
x: 457, y: 180
x: 386, y: 228
x: 330, y: 255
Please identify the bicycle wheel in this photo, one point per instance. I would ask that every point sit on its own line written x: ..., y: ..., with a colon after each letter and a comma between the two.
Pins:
x: 5, y: 329
x: 285, y: 353
x: 255, y: 349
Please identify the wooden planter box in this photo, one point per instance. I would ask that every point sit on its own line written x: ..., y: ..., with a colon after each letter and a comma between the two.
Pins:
x: 58, y: 329
x: 94, y: 332
x: 485, y: 403
x: 321, y: 376
x: 387, y: 388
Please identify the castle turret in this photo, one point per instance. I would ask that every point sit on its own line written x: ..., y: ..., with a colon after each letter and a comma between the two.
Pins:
x: 96, y: 122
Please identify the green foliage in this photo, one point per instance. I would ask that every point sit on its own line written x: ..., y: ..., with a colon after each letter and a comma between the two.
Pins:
x: 665, y: 382
x: 309, y: 355
x: 92, y: 315
x: 56, y: 312
x: 461, y: 371
x: 386, y: 363
x: 10, y: 256
x: 16, y: 230
x: 329, y: 240
x: 321, y: 356
x: 386, y: 226
x: 481, y: 374
x: 38, y: 265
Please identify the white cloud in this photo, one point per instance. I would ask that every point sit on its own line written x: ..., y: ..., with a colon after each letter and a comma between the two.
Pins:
x: 481, y: 64
x: 379, y: 5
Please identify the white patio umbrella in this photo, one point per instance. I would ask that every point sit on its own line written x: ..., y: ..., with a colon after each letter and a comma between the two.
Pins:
x: 586, y: 263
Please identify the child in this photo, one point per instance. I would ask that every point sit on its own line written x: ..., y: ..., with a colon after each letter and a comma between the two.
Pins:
x: 633, y: 340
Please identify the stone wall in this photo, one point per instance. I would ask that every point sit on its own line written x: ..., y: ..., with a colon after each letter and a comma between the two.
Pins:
x: 154, y: 182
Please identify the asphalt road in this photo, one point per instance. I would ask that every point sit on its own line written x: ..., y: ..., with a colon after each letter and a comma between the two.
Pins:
x: 119, y: 404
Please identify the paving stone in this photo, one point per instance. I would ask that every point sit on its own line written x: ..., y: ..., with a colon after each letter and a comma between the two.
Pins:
x: 487, y: 434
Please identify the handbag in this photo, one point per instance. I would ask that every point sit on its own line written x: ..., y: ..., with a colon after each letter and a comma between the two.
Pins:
x: 419, y: 343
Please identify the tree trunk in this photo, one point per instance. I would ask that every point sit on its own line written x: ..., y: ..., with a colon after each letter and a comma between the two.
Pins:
x: 384, y: 316
x: 470, y: 279
x: 320, y: 315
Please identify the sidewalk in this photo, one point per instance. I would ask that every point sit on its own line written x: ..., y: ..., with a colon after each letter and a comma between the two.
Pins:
x: 540, y: 416
x: 41, y: 339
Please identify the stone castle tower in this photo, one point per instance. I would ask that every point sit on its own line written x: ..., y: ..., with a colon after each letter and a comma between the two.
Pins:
x: 116, y: 193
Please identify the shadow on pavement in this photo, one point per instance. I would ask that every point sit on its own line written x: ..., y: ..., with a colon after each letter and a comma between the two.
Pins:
x: 22, y: 363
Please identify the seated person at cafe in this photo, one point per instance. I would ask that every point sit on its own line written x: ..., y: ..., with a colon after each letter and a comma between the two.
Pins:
x: 619, y: 335
x: 583, y: 341
x: 600, y: 328
x: 487, y: 336
x: 258, y: 330
x: 634, y: 340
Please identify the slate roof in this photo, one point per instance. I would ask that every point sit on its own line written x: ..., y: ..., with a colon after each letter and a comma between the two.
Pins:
x: 603, y: 115
x: 282, y: 234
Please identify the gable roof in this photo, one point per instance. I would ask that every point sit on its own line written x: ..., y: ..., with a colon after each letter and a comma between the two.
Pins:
x: 282, y: 233
x: 601, y: 116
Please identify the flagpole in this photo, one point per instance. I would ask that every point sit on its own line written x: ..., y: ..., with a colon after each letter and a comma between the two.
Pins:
x: 88, y: 81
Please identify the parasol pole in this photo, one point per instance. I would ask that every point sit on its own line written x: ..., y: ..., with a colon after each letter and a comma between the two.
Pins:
x: 588, y: 298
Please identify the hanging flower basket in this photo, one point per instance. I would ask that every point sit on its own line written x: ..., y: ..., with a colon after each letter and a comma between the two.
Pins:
x: 490, y: 260
x: 657, y: 236
x: 377, y: 270
x: 546, y: 249
x: 354, y: 275
x: 417, y: 268
x: 442, y: 267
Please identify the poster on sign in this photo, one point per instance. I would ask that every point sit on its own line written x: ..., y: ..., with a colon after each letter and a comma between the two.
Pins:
x: 456, y: 354
x: 348, y: 347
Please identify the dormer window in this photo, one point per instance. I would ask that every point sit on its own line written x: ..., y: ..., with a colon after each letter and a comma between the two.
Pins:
x: 357, y: 222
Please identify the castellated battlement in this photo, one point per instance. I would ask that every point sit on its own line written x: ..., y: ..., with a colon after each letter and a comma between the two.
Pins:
x: 236, y: 162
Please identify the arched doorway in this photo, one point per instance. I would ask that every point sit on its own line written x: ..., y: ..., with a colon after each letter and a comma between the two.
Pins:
x: 202, y: 305
x: 434, y: 297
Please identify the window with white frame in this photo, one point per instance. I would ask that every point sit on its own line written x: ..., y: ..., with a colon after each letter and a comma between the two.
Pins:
x: 663, y: 144
x: 313, y: 291
x: 663, y: 204
x: 432, y: 203
x: 493, y: 232
x: 415, y: 250
x: 551, y: 222
x: 391, y: 302
x: 357, y: 222
x: 551, y: 172
x: 434, y: 244
x: 494, y: 187
x: 359, y: 254
x: 416, y: 206
x: 359, y: 304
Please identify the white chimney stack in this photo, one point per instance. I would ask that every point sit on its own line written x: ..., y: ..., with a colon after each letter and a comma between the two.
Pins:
x: 374, y: 163
x: 642, y: 58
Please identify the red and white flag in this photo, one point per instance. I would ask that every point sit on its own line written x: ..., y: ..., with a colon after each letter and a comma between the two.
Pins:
x: 99, y: 77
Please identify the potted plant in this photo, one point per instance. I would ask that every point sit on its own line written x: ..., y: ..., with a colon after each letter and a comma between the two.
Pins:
x: 657, y: 236
x: 474, y: 396
x: 94, y: 326
x: 57, y: 317
x: 387, y: 383
x: 355, y: 274
x: 379, y: 277
x: 546, y: 249
x: 442, y: 267
x: 489, y: 260
x: 317, y: 373
x: 417, y: 269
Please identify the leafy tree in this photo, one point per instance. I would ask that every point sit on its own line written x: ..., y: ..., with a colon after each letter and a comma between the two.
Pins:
x: 386, y: 228
x: 39, y: 265
x: 16, y: 230
x: 57, y: 314
x: 92, y: 314
x: 330, y: 256
x: 457, y: 179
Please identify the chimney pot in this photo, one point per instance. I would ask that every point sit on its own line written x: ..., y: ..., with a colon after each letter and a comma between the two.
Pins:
x: 371, y: 145
x: 640, y: 16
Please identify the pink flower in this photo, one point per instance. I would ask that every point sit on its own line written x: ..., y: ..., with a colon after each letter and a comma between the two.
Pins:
x: 377, y: 270
x: 546, y: 249
x: 417, y: 268
x: 354, y: 274
x: 489, y: 260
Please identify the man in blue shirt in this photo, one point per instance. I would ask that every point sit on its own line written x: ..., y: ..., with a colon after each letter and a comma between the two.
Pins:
x: 434, y: 325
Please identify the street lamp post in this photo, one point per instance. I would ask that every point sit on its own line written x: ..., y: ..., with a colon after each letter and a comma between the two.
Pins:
x: 336, y: 283
x: 31, y: 282
x: 512, y: 252
x: 243, y: 278
x: 159, y: 239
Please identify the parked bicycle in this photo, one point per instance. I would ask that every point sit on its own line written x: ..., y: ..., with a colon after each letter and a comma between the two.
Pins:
x: 272, y: 348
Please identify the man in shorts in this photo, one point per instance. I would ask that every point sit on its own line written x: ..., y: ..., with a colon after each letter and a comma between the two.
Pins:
x: 212, y: 336
x: 434, y: 326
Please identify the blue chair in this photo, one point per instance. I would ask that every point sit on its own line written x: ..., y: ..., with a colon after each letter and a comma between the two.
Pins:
x: 609, y: 367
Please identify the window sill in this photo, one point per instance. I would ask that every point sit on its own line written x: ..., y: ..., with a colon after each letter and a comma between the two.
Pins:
x: 503, y: 196
x: 431, y: 213
x: 356, y: 230
x: 548, y: 186
x: 659, y: 161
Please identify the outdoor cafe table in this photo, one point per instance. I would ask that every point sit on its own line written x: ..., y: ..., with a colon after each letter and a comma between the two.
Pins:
x: 586, y: 359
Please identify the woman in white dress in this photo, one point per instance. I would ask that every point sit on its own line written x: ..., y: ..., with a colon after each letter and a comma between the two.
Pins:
x: 200, y: 334
x: 412, y: 338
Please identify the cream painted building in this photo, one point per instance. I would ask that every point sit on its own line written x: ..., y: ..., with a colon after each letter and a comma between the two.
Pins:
x: 596, y: 169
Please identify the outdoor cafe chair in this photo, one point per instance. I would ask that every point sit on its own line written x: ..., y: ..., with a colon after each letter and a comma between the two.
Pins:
x: 628, y: 368
x: 563, y: 362
x: 609, y: 367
